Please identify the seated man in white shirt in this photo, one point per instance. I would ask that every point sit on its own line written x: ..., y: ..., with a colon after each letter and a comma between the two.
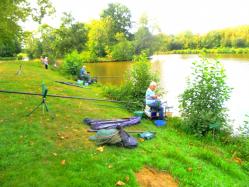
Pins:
x: 152, y: 100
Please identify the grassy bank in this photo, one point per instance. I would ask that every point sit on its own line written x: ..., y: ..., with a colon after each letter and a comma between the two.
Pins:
x: 211, y: 51
x: 40, y: 151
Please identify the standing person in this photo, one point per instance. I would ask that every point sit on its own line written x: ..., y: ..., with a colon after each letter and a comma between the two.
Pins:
x: 152, y: 99
x: 46, y: 62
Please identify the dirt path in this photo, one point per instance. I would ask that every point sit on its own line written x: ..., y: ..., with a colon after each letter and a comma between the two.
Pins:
x: 148, y: 177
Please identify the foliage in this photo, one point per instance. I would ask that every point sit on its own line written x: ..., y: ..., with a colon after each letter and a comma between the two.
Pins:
x: 56, y: 42
x: 212, y: 51
x: 12, y: 14
x: 72, y: 63
x: 236, y: 37
x: 32, y: 45
x: 21, y: 56
x: 144, y: 40
x: 10, y: 45
x: 88, y: 56
x: 99, y: 36
x: 244, y: 129
x: 123, y: 50
x: 70, y: 36
x: 138, y: 78
x: 202, y: 103
x: 120, y: 19
x: 48, y: 41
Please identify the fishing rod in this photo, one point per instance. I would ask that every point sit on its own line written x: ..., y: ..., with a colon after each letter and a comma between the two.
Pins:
x: 63, y: 96
x: 138, y: 131
x: 108, y: 76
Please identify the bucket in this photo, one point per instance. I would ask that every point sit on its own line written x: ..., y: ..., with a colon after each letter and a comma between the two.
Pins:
x: 160, y: 123
x: 80, y: 82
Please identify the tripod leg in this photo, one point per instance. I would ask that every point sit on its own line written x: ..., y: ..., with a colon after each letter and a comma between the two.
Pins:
x: 46, y: 106
x: 34, y: 109
x: 20, y: 70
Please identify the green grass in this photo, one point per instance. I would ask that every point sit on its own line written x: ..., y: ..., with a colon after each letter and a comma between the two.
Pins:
x: 31, y: 148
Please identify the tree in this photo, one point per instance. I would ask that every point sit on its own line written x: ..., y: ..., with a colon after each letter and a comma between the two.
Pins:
x: 99, y: 36
x: 48, y: 38
x: 123, y: 50
x: 202, y: 103
x: 32, y: 45
x: 12, y: 13
x: 120, y: 18
x: 143, y: 38
x: 71, y: 36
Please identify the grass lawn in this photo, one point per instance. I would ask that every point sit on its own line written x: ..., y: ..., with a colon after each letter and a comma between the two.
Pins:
x: 41, y: 151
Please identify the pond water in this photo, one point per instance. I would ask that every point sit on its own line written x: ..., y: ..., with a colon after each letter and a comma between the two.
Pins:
x: 174, y: 70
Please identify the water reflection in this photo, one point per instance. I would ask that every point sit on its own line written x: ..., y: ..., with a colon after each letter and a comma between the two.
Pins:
x: 109, y: 72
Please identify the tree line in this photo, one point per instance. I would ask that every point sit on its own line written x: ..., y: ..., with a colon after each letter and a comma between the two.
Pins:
x: 108, y: 37
x: 236, y: 37
x: 111, y: 37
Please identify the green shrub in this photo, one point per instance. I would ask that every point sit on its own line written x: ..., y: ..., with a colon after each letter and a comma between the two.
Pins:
x: 202, y: 103
x: 21, y: 56
x: 88, y: 56
x: 7, y: 58
x: 123, y: 51
x: 138, y: 78
x: 72, y: 63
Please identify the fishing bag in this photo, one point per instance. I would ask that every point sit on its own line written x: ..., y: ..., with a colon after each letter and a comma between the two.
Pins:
x: 108, y: 136
x: 110, y: 124
x: 127, y: 140
x: 115, y: 137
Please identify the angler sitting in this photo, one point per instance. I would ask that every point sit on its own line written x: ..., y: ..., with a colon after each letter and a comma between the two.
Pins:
x: 84, y: 75
x: 153, y: 101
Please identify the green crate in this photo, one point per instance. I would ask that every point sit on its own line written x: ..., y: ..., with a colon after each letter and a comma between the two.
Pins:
x: 138, y: 113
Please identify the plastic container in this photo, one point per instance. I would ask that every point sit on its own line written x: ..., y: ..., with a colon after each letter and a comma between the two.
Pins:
x: 160, y: 123
x: 138, y: 113
x: 80, y: 82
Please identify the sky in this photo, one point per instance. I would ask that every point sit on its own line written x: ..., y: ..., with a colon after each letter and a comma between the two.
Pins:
x: 172, y: 16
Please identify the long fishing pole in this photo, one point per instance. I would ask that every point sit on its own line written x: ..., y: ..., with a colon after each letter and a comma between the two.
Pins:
x: 63, y: 96
x: 138, y: 131
x: 108, y: 76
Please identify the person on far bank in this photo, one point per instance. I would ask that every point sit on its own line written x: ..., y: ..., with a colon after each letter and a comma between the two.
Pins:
x: 46, y: 62
x: 152, y: 99
x: 84, y: 75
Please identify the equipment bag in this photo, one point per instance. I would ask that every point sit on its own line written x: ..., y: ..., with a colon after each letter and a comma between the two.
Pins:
x: 108, y: 136
x: 127, y: 140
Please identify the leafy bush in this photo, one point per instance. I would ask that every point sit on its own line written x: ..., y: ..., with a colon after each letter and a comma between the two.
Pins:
x: 72, y: 63
x: 138, y: 77
x: 88, y: 56
x: 21, y: 56
x: 244, y: 129
x: 202, y: 103
x: 7, y: 58
x: 123, y: 51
